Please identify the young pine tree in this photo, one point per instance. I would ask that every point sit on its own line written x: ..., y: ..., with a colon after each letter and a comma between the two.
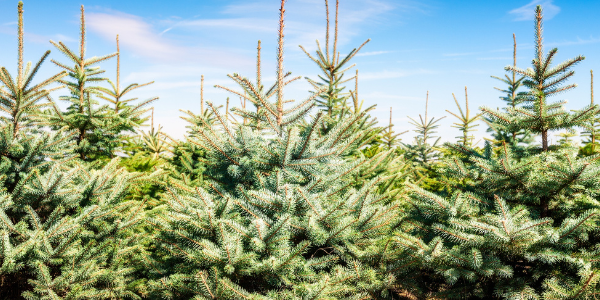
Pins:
x: 278, y: 218
x: 592, y: 127
x: 465, y: 124
x: 513, y: 98
x: 66, y: 232
x: 333, y: 100
x: 520, y: 226
x: 100, y: 127
x: 421, y: 153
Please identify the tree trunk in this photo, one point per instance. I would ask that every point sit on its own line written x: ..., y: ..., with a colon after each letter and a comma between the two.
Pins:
x: 545, y: 140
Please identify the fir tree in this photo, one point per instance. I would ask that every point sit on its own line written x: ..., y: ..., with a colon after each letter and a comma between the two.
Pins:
x: 421, y: 152
x: 520, y: 225
x: 22, y: 101
x: 390, y: 138
x: 278, y: 218
x: 543, y: 81
x: 67, y: 232
x: 100, y: 127
x: 466, y: 121
x: 513, y: 98
x: 593, y: 127
x: 333, y: 100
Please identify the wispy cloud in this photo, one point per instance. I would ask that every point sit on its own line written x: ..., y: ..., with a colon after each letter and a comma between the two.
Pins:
x: 579, y: 41
x: 241, y: 24
x: 393, y: 74
x: 508, y: 58
x: 375, y: 96
x: 305, y: 19
x: 144, y: 40
x: 526, y: 12
x: 371, y: 53
x: 135, y: 34
x: 461, y: 54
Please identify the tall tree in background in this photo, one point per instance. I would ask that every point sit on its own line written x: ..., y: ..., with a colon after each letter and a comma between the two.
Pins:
x: 333, y: 101
x: 593, y: 126
x: 389, y: 137
x: 543, y: 81
x: 99, y: 127
x: 130, y: 116
x: 513, y: 98
x: 422, y: 153
x: 22, y: 101
x: 466, y: 121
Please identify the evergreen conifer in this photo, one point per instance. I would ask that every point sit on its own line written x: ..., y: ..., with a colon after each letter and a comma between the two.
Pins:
x: 278, y: 218
x: 100, y: 127
x: 518, y: 226
x: 66, y: 231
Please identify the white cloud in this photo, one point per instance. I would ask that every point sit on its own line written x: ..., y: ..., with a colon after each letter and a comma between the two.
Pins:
x: 135, y: 34
x: 140, y: 37
x: 497, y: 58
x: 243, y: 24
x: 392, y: 74
x: 373, y: 96
x: 460, y: 54
x: 64, y: 38
x: 526, y: 12
x: 371, y: 53
x: 579, y: 41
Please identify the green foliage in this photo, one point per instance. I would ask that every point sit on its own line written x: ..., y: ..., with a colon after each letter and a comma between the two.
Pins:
x: 99, y: 128
x: 421, y: 153
x: 543, y: 81
x: 21, y: 101
x: 278, y: 217
x: 521, y: 138
x: 66, y: 232
x: 518, y: 225
x: 271, y: 201
x: 466, y: 121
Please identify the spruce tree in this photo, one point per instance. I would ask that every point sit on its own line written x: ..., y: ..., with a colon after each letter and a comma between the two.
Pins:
x: 520, y: 225
x: 466, y: 121
x: 513, y: 98
x: 333, y: 100
x: 21, y: 102
x: 540, y: 116
x: 278, y: 218
x: 389, y: 137
x: 422, y: 153
x: 593, y: 127
x: 66, y: 231
x: 100, y: 127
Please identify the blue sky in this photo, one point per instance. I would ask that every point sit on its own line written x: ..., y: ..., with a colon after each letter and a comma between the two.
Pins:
x: 416, y: 46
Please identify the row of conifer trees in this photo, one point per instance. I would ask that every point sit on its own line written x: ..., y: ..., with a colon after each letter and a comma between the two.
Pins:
x: 281, y: 199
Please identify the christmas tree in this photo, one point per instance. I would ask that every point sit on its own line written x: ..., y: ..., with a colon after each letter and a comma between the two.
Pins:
x: 278, y: 218
x: 513, y: 98
x: 67, y: 232
x: 519, y: 226
x: 100, y: 127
